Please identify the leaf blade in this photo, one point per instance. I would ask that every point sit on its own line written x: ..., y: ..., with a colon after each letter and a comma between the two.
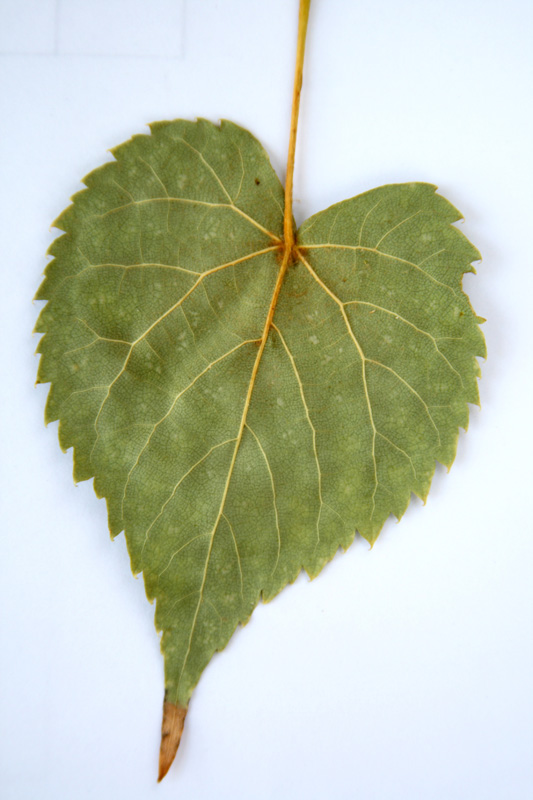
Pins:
x: 235, y: 407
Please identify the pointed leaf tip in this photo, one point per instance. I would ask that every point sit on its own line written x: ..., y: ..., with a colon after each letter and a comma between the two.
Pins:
x: 171, y: 730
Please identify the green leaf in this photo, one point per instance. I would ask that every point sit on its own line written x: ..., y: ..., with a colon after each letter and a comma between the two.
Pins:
x: 243, y: 421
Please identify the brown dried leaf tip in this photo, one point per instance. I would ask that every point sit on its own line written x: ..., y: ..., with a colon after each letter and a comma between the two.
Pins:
x: 171, y: 730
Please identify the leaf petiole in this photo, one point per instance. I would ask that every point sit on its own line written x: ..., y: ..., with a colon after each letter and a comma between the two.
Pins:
x: 288, y: 229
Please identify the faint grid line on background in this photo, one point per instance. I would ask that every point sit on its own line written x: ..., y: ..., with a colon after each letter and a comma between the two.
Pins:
x: 93, y: 28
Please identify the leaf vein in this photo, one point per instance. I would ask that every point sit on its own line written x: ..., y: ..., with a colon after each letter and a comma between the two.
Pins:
x: 183, y: 546
x: 206, y: 164
x: 401, y: 450
x: 310, y: 423
x: 363, y: 372
x: 368, y: 213
x: 176, y: 487
x: 189, y: 201
x: 385, y: 255
x: 411, y: 389
x: 239, y: 563
x: 403, y: 221
x: 278, y: 532
x: 412, y: 325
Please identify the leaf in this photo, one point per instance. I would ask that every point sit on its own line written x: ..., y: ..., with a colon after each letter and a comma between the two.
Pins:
x: 231, y: 459
x: 245, y: 396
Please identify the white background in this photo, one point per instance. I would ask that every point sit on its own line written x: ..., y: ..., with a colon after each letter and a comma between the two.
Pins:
x: 400, y: 673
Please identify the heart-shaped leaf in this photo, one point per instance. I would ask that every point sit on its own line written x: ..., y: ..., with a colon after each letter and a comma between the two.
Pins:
x: 247, y: 397
x: 242, y: 429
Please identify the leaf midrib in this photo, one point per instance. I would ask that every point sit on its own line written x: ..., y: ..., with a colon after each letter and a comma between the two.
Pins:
x: 287, y: 254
